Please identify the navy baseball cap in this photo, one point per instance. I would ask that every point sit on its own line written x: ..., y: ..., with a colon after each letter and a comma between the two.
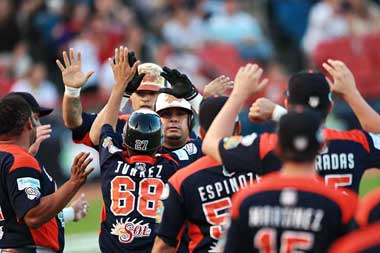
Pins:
x: 310, y: 89
x: 300, y: 135
x: 209, y: 108
x: 32, y: 102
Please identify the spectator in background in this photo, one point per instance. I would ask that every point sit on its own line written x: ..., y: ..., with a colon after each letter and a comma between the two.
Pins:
x: 363, y: 17
x: 326, y: 21
x: 10, y: 33
x: 36, y: 83
x: 183, y: 30
x: 240, y: 29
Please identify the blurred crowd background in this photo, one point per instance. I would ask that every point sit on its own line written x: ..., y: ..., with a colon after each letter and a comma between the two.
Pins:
x: 202, y: 38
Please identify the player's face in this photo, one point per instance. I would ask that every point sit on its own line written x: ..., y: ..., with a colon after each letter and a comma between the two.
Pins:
x: 143, y: 99
x: 175, y: 122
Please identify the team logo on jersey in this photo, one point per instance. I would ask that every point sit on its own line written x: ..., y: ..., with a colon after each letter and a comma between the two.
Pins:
x: 1, y: 232
x: 288, y: 197
x: 127, y: 230
x: 1, y: 215
x: 30, y: 186
x: 231, y: 142
x: 140, y: 166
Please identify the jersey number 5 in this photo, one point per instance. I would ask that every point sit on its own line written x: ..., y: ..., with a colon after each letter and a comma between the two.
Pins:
x: 124, y: 200
x: 216, y: 213
x: 338, y: 180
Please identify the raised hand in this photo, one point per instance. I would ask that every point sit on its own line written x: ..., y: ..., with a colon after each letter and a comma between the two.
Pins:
x: 123, y: 73
x: 218, y: 86
x: 248, y: 81
x: 43, y: 133
x: 72, y: 73
x: 181, y: 84
x: 80, y: 207
x: 343, y: 83
x: 78, y: 169
x: 261, y: 110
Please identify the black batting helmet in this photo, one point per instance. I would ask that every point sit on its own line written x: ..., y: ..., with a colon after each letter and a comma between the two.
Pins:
x: 142, y: 133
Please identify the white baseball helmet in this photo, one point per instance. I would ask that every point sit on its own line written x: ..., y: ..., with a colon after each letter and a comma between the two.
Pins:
x: 152, y: 80
x: 165, y: 101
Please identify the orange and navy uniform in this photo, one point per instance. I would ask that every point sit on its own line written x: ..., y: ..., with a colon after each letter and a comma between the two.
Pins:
x: 23, y: 183
x: 131, y: 189
x: 364, y: 240
x: 288, y: 214
x: 200, y: 197
x: 342, y: 162
x: 81, y: 134
x: 369, y: 209
x: 188, y: 153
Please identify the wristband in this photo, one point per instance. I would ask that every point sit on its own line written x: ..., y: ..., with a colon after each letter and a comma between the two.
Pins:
x: 124, y: 101
x: 196, y: 102
x: 72, y: 92
x: 68, y: 214
x: 278, y: 112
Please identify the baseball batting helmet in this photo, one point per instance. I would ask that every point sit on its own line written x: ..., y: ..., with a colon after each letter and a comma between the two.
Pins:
x: 142, y: 133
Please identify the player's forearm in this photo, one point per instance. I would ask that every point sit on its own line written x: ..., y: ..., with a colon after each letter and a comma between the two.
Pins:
x: 222, y: 126
x: 368, y: 117
x: 161, y: 247
x: 108, y: 115
x: 72, y: 111
x: 51, y: 205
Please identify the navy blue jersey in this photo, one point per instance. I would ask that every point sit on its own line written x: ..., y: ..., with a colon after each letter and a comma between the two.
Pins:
x: 187, y: 154
x: 365, y: 240
x: 342, y: 163
x: 200, y: 196
x: 131, y: 189
x: 369, y: 209
x: 289, y: 214
x: 81, y: 134
x: 22, y: 184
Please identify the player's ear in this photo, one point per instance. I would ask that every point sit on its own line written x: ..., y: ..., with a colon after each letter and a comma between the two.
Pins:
x: 202, y: 133
x: 29, y: 124
x: 286, y: 103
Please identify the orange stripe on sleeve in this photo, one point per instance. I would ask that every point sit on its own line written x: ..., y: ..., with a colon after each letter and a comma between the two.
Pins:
x: 352, y: 135
x: 369, y: 201
x: 267, y: 144
x: 200, y: 164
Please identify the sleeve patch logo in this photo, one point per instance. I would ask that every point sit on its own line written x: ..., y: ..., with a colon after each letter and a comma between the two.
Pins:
x: 26, y: 182
x: 231, y: 142
x: 32, y: 193
x: 107, y: 143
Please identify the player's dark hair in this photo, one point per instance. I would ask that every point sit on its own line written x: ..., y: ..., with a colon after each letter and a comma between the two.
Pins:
x: 14, y: 113
x: 299, y: 135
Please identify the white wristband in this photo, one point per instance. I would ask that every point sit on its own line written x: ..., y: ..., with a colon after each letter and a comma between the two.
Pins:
x: 124, y: 101
x: 72, y: 92
x: 68, y: 214
x: 278, y: 112
x: 196, y: 102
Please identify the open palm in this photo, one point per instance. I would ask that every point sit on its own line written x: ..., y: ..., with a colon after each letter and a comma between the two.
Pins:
x: 72, y: 73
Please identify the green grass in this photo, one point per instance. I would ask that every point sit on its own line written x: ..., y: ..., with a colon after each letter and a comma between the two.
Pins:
x: 91, y: 223
x: 368, y: 184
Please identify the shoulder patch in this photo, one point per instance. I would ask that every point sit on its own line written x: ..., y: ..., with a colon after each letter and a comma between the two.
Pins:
x: 231, y: 142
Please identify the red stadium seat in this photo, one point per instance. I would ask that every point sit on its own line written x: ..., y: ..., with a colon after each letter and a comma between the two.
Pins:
x: 220, y: 58
x: 359, y: 56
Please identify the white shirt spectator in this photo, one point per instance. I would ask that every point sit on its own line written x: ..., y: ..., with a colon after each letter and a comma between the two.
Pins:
x: 324, y: 23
